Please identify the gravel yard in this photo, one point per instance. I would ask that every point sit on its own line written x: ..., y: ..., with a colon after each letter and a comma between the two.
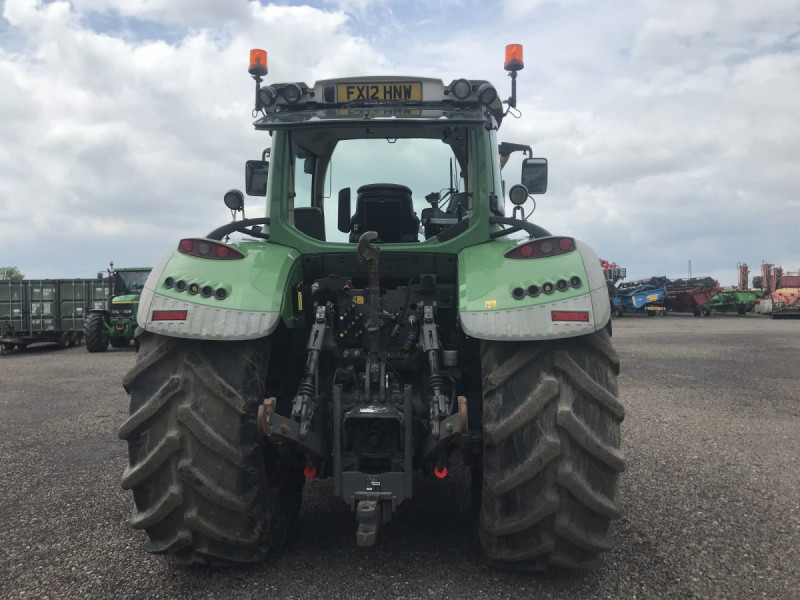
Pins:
x: 711, y: 492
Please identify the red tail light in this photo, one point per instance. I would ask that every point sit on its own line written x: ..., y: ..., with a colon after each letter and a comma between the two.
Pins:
x: 570, y: 315
x: 208, y: 249
x: 170, y: 315
x: 542, y: 248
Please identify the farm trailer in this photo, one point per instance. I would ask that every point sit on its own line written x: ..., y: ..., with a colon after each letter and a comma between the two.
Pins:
x: 36, y: 311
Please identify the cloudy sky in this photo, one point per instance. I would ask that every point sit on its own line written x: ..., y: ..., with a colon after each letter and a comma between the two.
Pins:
x: 672, y: 128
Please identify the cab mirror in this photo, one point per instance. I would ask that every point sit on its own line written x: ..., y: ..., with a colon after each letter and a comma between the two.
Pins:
x: 344, y: 210
x: 534, y: 175
x: 255, y: 177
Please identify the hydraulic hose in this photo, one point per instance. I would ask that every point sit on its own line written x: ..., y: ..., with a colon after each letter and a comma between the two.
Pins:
x: 240, y: 226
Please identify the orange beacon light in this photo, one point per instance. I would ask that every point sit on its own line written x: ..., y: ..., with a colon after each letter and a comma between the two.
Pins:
x: 258, y: 62
x: 514, y: 58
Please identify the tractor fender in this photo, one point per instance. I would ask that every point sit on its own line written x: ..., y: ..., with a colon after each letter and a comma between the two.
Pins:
x: 505, y: 299
x: 257, y: 293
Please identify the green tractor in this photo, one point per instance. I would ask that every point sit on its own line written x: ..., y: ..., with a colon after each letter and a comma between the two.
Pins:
x: 116, y: 323
x: 375, y: 346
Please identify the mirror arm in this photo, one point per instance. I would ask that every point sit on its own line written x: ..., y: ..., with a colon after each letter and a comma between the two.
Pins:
x: 512, y: 101
x: 508, y: 148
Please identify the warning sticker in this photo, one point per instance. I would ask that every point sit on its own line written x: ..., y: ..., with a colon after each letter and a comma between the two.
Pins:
x: 490, y: 304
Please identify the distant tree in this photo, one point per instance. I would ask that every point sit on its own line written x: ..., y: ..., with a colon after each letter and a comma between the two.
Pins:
x: 11, y: 273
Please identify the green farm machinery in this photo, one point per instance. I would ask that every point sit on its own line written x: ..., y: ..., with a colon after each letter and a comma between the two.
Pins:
x: 732, y: 300
x: 115, y: 323
x: 373, y: 345
x: 739, y: 299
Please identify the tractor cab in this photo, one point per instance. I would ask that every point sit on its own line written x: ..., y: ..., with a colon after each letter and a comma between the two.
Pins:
x: 129, y: 281
x: 411, y: 158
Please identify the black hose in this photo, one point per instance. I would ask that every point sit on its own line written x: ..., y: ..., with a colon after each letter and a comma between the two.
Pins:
x: 516, y: 225
x: 240, y: 226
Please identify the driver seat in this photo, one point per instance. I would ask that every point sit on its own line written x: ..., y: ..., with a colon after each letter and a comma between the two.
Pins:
x: 387, y: 209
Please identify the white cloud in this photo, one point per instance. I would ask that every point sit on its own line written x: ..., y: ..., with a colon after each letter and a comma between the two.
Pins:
x: 671, y: 128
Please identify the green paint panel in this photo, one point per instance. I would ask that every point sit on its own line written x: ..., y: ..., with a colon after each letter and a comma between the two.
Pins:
x: 75, y: 289
x: 125, y: 299
x: 72, y: 314
x: 486, y: 277
x: 255, y: 283
x: 99, y: 292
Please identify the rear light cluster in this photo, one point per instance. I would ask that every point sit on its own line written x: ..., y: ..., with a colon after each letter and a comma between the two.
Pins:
x: 205, y: 291
x: 548, y: 287
x: 542, y: 248
x: 208, y: 249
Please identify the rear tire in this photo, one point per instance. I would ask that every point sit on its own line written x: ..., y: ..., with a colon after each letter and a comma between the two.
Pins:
x: 198, y: 466
x: 551, y: 463
x: 95, y: 332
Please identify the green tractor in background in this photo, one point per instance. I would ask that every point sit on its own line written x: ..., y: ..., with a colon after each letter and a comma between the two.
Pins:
x: 115, y: 323
x: 372, y: 346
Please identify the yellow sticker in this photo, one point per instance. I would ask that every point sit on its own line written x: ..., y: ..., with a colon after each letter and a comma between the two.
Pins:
x: 490, y: 304
x: 358, y: 299
x: 299, y: 301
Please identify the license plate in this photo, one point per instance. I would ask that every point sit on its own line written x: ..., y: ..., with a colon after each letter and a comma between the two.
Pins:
x: 395, y: 91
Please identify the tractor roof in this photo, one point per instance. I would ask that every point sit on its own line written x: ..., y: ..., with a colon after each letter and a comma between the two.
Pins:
x: 385, y: 97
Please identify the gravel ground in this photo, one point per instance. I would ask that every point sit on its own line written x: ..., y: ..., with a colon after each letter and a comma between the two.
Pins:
x: 711, y: 494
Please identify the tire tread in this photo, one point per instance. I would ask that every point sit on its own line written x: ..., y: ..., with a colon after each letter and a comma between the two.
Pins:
x: 551, y: 452
x: 197, y: 463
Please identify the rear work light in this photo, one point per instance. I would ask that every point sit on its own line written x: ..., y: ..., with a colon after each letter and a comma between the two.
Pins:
x: 170, y: 315
x: 208, y: 249
x: 542, y: 248
x: 570, y: 315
